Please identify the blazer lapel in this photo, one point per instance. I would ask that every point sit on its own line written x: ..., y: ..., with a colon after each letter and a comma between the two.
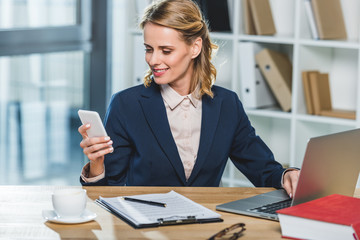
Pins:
x: 155, y: 114
x: 209, y: 121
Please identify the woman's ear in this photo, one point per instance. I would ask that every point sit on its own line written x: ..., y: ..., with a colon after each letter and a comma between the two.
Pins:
x: 196, y: 47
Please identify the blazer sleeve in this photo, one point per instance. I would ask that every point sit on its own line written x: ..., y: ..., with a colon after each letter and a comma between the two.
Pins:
x: 251, y: 155
x: 117, y: 162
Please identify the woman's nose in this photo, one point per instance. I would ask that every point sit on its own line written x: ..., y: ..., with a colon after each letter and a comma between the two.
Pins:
x: 153, y: 59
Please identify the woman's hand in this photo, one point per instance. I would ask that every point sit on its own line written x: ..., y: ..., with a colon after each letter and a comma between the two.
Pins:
x: 95, y: 149
x: 291, y: 178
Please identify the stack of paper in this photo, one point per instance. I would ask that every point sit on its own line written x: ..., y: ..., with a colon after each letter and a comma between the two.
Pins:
x: 178, y: 210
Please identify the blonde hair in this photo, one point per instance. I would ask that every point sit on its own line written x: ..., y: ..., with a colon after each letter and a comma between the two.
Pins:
x: 185, y: 17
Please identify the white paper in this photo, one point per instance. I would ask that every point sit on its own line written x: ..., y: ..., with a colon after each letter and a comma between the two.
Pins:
x: 177, y: 207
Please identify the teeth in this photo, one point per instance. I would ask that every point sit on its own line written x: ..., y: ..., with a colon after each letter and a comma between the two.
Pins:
x: 159, y: 70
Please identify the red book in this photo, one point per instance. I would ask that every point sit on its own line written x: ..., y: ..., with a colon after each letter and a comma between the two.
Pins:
x: 333, y: 217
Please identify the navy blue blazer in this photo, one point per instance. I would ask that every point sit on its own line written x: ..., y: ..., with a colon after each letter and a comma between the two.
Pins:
x: 145, y: 153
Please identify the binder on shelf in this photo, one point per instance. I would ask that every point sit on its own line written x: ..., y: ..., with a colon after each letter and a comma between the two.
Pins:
x: 262, y: 17
x: 178, y: 210
x: 248, y: 19
x: 329, y: 19
x: 277, y: 70
x: 255, y: 90
x: 311, y: 19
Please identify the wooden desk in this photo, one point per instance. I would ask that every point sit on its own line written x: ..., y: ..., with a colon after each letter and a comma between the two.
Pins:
x: 21, y: 207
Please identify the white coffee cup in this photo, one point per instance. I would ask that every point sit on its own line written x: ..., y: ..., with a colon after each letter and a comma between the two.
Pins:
x: 69, y: 202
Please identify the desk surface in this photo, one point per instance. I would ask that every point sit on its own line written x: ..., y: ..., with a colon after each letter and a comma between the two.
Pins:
x: 21, y: 207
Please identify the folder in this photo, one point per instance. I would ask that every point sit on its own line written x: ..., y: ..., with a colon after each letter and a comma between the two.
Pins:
x: 255, y: 91
x: 277, y: 70
x: 248, y: 18
x: 329, y: 19
x: 262, y: 17
x: 178, y: 210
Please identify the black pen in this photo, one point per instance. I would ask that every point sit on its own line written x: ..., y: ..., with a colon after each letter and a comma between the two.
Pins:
x: 145, y: 201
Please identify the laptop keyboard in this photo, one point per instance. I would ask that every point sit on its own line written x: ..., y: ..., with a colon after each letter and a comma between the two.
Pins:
x: 272, y: 207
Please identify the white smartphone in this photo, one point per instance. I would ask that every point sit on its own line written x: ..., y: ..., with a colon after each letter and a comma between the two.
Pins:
x: 96, y: 126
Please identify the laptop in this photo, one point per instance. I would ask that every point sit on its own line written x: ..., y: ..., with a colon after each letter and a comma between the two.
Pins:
x: 331, y: 165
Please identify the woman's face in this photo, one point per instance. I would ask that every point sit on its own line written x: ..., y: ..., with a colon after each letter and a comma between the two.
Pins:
x: 169, y: 57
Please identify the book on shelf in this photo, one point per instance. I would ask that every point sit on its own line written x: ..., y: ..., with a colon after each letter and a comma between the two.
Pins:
x: 318, y: 96
x: 332, y: 217
x: 171, y: 208
x: 339, y: 113
x: 307, y: 92
x: 311, y: 19
x: 262, y: 17
x: 255, y: 91
x: 248, y: 18
x: 277, y: 70
x: 329, y: 19
x: 320, y: 91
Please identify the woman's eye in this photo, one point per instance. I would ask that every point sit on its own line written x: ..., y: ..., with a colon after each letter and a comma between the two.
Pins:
x: 166, y: 52
x: 148, y: 50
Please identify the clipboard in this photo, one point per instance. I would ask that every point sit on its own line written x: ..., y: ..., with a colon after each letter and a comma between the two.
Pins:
x: 137, y: 214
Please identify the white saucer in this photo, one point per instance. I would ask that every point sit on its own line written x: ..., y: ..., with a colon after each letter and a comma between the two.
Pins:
x: 51, y: 216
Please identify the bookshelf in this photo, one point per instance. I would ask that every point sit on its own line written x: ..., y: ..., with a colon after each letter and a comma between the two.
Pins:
x: 286, y: 133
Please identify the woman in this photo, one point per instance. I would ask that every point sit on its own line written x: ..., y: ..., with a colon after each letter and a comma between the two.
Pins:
x: 178, y: 129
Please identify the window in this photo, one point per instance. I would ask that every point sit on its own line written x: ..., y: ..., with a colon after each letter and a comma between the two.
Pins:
x: 45, y: 52
x: 37, y: 13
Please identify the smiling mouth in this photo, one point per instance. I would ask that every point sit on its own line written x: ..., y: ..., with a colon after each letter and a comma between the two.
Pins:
x: 159, y: 70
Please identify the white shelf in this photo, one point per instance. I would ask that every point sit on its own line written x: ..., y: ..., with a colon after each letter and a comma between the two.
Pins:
x: 287, y: 133
x: 267, y: 39
x: 271, y: 113
x: 330, y: 44
x: 328, y: 120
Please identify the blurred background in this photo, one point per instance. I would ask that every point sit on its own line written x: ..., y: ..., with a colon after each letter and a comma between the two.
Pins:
x: 51, y: 65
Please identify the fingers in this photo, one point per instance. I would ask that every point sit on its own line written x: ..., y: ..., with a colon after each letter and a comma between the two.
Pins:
x: 88, y: 142
x: 290, y: 182
x: 287, y: 186
x: 97, y: 147
x: 82, y: 130
x: 94, y: 156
